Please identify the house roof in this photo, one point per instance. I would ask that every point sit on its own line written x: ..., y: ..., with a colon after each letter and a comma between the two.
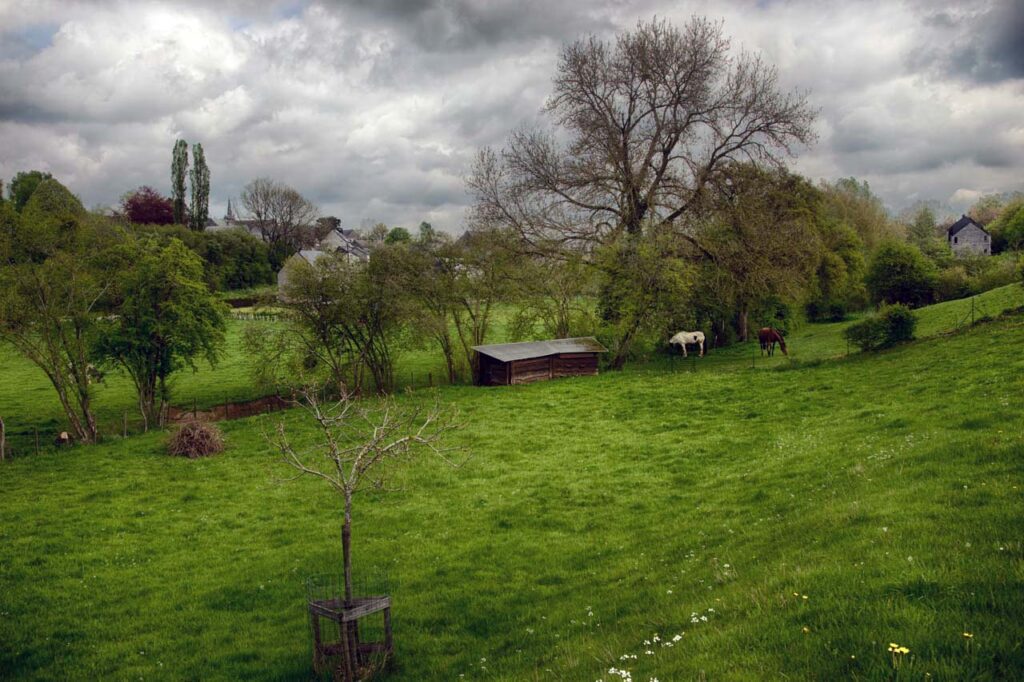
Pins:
x: 961, y: 224
x: 310, y: 255
x: 506, y: 352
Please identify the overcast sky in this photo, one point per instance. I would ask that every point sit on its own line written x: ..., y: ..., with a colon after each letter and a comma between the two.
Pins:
x: 373, y: 109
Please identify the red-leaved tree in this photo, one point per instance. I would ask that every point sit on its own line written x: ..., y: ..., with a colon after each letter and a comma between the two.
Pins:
x: 147, y: 206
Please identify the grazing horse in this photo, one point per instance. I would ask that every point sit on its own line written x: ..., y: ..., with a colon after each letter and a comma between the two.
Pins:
x: 768, y: 338
x: 684, y: 338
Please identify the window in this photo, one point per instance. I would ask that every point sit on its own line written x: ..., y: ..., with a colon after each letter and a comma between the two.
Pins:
x: 955, y: 239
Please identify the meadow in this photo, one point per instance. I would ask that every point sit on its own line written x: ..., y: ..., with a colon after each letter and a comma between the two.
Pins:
x: 678, y: 520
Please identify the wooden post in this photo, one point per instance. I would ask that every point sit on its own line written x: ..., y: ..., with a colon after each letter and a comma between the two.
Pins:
x: 3, y: 439
x: 430, y: 379
x: 193, y: 408
x: 36, y: 430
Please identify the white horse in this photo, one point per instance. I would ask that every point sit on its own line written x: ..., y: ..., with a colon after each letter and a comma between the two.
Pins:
x: 684, y: 338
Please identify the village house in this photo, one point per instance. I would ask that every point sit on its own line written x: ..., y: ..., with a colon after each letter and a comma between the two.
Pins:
x: 968, y: 238
x: 346, y: 242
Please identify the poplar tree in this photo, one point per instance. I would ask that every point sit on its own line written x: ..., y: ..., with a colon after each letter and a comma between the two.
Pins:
x: 179, y: 166
x: 200, y: 208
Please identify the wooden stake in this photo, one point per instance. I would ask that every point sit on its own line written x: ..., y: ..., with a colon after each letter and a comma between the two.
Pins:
x: 3, y: 439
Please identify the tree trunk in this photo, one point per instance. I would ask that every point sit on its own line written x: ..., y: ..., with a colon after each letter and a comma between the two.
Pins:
x: 744, y: 332
x: 346, y: 547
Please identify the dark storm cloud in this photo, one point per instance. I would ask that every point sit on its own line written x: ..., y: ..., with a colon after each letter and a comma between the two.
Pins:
x: 375, y: 109
x: 982, y: 42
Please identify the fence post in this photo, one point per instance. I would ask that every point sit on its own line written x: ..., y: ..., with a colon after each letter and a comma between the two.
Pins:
x: 3, y: 439
x: 36, y: 430
x: 753, y: 356
x: 430, y: 379
x: 193, y: 408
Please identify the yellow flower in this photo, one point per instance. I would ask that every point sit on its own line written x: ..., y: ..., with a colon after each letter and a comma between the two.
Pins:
x: 968, y: 635
x: 903, y: 650
x: 893, y: 645
x: 796, y: 594
x: 805, y: 596
x: 806, y: 629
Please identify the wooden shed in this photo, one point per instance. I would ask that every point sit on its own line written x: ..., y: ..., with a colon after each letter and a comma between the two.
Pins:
x: 520, y: 363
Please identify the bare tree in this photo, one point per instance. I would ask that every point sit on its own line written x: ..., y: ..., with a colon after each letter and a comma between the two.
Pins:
x: 359, y: 441
x: 280, y: 213
x: 648, y: 121
x: 643, y: 128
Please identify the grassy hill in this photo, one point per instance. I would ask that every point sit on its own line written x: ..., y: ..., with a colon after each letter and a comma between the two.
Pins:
x: 790, y: 522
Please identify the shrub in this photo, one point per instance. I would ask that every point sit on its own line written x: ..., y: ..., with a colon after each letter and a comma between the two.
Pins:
x: 1020, y: 269
x: 195, y: 439
x: 891, y: 325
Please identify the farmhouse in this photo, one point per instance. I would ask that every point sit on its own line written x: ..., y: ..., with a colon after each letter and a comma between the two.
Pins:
x: 520, y: 363
x: 968, y: 238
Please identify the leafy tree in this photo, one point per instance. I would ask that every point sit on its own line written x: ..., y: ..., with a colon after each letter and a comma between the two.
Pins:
x: 762, y: 236
x: 924, y: 234
x: 23, y: 185
x: 179, y: 168
x: 851, y: 203
x: 1008, y: 229
x: 427, y: 233
x: 232, y: 259
x: 398, y: 234
x: 642, y: 285
x: 376, y: 235
x: 147, y: 206
x: 648, y: 122
x: 345, y: 317
x: 899, y: 273
x: 838, y: 284
x: 166, y: 319
x: 52, y: 284
x: 199, y: 211
x: 554, y: 294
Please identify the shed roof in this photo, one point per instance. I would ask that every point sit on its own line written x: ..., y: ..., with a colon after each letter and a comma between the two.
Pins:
x: 506, y: 352
x: 961, y: 224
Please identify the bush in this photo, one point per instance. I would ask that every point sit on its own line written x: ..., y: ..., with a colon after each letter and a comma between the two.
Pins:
x: 891, y: 325
x: 232, y: 259
x: 195, y: 439
x: 1020, y: 269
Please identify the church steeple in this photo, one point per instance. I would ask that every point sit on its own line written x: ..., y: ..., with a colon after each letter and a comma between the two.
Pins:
x: 230, y: 215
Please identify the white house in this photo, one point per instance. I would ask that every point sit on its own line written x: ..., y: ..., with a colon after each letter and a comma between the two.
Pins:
x: 346, y: 242
x: 308, y: 255
x: 968, y: 238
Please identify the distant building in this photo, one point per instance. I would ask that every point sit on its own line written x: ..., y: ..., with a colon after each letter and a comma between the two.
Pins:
x: 308, y: 255
x: 346, y: 242
x: 231, y: 222
x: 968, y: 238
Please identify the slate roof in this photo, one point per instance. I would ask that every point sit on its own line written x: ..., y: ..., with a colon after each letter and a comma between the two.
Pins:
x: 506, y: 352
x: 961, y: 224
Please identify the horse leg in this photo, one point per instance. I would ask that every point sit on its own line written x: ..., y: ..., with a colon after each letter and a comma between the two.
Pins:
x: 701, y: 349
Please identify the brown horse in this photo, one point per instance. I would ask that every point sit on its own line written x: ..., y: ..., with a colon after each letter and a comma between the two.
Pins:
x: 768, y: 338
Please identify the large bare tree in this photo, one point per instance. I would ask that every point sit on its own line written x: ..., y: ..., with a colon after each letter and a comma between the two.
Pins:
x: 280, y: 213
x: 642, y: 126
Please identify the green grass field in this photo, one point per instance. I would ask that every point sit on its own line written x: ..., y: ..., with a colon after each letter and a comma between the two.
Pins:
x: 783, y: 523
